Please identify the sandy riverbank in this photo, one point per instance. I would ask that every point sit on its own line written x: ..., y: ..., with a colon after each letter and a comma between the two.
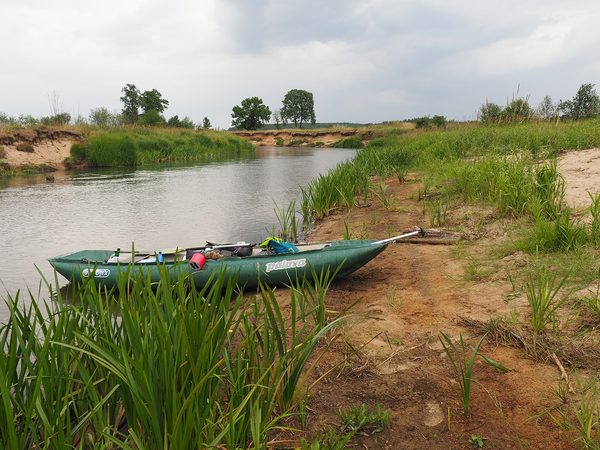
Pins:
x: 46, y: 147
x: 390, y: 353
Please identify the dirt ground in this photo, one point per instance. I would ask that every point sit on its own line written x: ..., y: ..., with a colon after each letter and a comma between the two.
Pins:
x: 581, y: 171
x: 390, y: 354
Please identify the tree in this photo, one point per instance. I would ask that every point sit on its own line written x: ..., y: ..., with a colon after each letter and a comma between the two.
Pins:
x: 206, y: 123
x: 152, y: 117
x: 102, y: 117
x: 490, y: 113
x: 586, y: 103
x: 131, y: 103
x: 251, y: 114
x: 153, y: 101
x: 186, y: 122
x: 299, y: 107
x: 439, y: 121
x: 277, y: 118
x: 546, y: 109
x: 518, y: 110
x: 174, y: 122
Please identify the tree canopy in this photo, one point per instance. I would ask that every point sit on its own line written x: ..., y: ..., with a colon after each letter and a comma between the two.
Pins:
x: 148, y: 101
x: 298, y: 107
x: 131, y: 103
x: 153, y: 101
x: 251, y: 114
x: 586, y: 103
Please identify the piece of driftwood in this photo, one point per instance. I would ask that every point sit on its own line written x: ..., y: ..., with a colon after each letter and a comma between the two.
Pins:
x: 433, y: 236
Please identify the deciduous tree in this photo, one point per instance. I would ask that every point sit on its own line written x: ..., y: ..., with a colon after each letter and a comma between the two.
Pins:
x: 251, y: 114
x: 131, y: 103
x: 152, y: 101
x: 298, y: 107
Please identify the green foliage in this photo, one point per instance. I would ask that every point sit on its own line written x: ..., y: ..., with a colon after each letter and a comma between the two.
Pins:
x: 517, y: 111
x: 174, y: 122
x: 250, y: 114
x: 152, y: 101
x: 151, y: 117
x: 428, y: 122
x: 358, y: 419
x: 161, y: 145
x: 112, y: 150
x: 178, y: 368
x: 288, y: 223
x: 463, y: 362
x: 542, y: 290
x: 585, y: 104
x: 56, y: 119
x: 206, y: 123
x: 279, y: 142
x: 102, y: 117
x: 349, y: 142
x: 131, y: 103
x: 477, y: 440
x: 490, y: 113
x: 547, y: 110
x: 79, y: 151
x: 298, y: 107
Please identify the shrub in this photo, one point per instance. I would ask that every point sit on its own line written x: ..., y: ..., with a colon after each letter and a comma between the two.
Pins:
x: 109, y: 150
x: 78, y: 151
x: 279, y: 142
x: 349, y: 142
x: 490, y: 113
x: 25, y: 147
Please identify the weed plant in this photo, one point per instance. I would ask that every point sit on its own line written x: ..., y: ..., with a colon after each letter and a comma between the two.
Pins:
x: 288, y: 222
x: 542, y: 291
x: 177, y: 368
x: 463, y: 362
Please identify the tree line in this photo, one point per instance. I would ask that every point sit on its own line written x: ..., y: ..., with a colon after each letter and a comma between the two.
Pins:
x: 584, y: 104
x: 298, y: 107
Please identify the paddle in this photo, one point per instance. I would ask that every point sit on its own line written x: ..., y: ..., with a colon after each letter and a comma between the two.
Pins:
x: 420, y: 232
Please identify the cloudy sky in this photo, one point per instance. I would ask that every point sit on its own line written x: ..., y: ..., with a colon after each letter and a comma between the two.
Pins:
x: 364, y: 61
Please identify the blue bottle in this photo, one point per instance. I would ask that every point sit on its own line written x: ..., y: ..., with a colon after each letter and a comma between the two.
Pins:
x: 160, y: 257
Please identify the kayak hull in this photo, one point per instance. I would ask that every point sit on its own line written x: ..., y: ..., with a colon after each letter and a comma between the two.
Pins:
x: 339, y: 257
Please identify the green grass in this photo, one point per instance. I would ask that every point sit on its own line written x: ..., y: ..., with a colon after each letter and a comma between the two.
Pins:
x: 463, y: 362
x: 349, y: 142
x: 176, y: 368
x: 542, y: 291
x: 130, y: 147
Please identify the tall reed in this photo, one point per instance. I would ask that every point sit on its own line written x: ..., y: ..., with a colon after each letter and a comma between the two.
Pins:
x: 175, y: 368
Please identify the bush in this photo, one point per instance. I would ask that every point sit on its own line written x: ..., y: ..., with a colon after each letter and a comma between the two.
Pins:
x: 78, y: 151
x: 25, y: 147
x: 350, y: 142
x: 111, y: 150
x: 279, y: 142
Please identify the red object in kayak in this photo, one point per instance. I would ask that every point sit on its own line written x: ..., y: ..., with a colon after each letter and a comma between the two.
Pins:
x: 197, y: 261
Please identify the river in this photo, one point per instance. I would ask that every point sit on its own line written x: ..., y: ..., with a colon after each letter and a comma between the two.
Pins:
x: 154, y: 208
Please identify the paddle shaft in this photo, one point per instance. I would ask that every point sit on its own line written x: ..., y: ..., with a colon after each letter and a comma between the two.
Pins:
x: 420, y: 231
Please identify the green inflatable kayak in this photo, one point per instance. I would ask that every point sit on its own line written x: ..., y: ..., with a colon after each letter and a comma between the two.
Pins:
x: 202, y: 263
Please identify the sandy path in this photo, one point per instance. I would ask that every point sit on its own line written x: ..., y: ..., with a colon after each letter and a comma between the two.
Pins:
x: 581, y: 171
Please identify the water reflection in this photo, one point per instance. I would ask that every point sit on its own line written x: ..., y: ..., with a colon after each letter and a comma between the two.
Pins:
x: 183, y: 206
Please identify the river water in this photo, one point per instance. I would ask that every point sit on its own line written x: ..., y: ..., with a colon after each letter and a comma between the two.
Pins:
x: 225, y: 201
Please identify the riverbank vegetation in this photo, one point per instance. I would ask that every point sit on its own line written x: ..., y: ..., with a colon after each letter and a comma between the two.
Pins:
x: 176, y: 369
x: 511, y: 169
x: 130, y: 147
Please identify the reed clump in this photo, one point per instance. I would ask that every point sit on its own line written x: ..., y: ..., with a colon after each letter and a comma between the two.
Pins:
x: 130, y: 147
x: 155, y: 366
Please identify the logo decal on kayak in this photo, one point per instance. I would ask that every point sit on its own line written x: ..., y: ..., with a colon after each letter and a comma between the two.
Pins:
x: 99, y: 273
x: 286, y: 264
